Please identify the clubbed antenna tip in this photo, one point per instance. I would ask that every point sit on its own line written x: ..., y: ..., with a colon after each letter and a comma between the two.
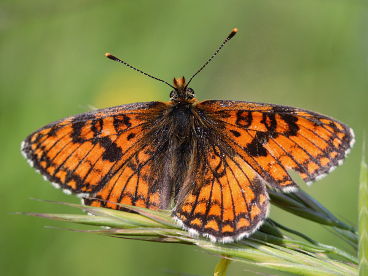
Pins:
x: 114, y: 58
x: 230, y: 36
x: 233, y: 32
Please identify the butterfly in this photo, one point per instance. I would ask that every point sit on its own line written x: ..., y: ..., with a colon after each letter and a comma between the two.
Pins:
x: 210, y: 162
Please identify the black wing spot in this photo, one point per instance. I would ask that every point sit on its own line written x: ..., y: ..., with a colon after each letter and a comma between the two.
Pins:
x: 97, y: 126
x: 112, y: 152
x: 235, y: 133
x: 256, y: 148
x: 53, y: 130
x: 130, y: 136
x: 291, y: 120
x: 268, y: 119
x: 77, y: 127
x: 244, y: 118
x: 121, y: 122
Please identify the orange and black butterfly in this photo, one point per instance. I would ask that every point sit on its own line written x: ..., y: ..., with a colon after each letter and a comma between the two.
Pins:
x: 210, y: 162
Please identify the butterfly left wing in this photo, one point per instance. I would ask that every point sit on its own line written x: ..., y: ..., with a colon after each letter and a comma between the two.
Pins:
x: 227, y: 201
x: 102, y: 154
x: 274, y: 139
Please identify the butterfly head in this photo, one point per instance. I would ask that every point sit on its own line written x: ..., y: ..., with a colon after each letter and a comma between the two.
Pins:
x: 181, y: 92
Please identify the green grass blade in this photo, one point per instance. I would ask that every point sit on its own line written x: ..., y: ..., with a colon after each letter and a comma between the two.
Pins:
x: 157, y: 219
x: 221, y: 267
x: 83, y: 219
x: 305, y: 206
x: 278, y: 258
x: 363, y: 217
x: 268, y: 247
x: 310, y: 244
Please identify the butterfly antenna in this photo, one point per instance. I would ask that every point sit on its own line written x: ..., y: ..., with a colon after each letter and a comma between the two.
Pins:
x: 110, y: 56
x: 230, y: 36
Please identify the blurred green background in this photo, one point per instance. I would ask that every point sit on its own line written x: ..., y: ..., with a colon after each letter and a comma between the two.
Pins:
x: 307, y: 53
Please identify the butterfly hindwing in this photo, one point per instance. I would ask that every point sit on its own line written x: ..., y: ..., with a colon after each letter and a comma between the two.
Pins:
x: 274, y: 139
x: 228, y: 200
x: 130, y: 181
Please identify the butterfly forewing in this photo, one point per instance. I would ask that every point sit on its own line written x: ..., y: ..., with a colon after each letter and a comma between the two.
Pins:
x: 81, y: 154
x: 274, y: 139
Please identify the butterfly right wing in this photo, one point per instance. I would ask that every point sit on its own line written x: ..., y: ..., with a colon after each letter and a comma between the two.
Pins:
x: 102, y: 154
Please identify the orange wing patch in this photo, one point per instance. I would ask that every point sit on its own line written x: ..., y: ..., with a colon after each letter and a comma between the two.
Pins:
x: 228, y: 202
x: 84, y: 154
x: 273, y: 139
x: 130, y: 181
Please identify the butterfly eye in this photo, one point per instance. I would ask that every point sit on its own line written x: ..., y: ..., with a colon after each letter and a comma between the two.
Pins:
x: 190, y: 93
x: 173, y: 94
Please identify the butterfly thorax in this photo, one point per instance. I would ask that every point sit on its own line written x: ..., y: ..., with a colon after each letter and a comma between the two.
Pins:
x: 182, y: 93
